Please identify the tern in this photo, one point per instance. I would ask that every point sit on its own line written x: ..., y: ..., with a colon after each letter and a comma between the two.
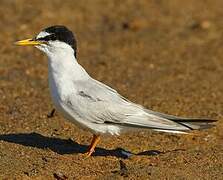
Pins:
x: 92, y: 105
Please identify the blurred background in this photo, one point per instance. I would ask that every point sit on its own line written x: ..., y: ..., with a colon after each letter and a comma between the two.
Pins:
x: 165, y: 55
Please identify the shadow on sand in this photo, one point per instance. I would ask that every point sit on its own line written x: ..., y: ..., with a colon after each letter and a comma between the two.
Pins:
x: 67, y: 146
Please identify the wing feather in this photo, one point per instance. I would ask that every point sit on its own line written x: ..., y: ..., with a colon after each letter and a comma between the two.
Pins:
x: 100, y: 104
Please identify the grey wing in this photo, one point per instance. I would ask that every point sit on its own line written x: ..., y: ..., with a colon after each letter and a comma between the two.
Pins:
x: 99, y: 103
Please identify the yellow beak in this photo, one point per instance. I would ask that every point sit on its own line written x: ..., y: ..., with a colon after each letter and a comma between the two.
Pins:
x: 28, y: 42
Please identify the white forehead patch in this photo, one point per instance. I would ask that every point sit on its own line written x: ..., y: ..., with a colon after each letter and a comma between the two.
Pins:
x: 42, y: 34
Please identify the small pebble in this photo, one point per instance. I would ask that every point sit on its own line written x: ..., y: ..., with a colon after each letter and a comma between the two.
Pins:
x: 59, y: 176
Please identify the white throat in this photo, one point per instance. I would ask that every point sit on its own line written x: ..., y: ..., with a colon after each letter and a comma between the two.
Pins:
x: 62, y: 62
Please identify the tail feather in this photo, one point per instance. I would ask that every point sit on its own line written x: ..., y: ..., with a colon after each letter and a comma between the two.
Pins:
x: 156, y: 121
x: 196, y: 124
x: 188, y: 123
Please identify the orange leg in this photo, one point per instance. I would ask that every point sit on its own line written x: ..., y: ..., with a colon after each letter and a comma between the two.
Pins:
x: 94, y: 142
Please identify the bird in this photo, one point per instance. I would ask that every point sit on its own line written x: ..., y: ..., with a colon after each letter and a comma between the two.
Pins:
x: 89, y: 103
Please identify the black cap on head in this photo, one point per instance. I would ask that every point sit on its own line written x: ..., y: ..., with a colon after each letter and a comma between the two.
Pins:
x: 60, y: 33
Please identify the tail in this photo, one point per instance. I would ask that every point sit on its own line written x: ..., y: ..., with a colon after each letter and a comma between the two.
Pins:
x: 188, y: 123
x: 196, y: 124
x: 166, y: 123
x: 135, y: 116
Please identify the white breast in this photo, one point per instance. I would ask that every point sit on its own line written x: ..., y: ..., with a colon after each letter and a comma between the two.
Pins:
x: 63, y: 71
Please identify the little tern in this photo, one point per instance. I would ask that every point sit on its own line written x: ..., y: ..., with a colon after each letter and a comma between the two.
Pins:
x: 92, y: 105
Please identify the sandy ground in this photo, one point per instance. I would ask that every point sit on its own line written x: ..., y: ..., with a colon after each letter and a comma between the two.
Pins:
x: 165, y: 55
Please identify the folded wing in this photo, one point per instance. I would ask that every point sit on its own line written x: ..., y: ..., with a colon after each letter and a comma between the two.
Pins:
x: 99, y: 104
